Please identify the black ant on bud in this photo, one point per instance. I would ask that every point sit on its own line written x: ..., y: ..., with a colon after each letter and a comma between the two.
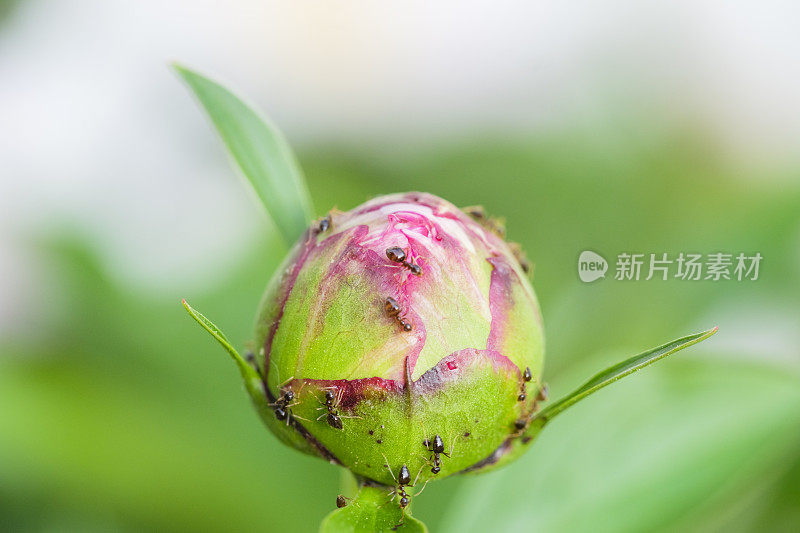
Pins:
x: 403, y: 480
x: 436, y: 447
x: 521, y: 425
x: 393, y: 310
x: 341, y: 501
x: 332, y: 416
x: 398, y: 255
x: 283, y: 403
x: 324, y: 224
x: 526, y: 377
x: 332, y: 401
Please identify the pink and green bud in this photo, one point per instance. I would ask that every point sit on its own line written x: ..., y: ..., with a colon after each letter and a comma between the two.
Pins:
x: 401, y: 339
x: 399, y: 328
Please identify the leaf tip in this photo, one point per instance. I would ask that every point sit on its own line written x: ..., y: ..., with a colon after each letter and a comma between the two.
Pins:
x: 178, y: 67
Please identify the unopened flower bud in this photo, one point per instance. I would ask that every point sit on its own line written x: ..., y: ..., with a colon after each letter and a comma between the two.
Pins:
x: 401, y: 339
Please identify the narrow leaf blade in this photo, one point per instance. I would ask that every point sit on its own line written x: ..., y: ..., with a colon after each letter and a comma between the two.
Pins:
x: 620, y: 370
x: 247, y: 371
x: 261, y: 153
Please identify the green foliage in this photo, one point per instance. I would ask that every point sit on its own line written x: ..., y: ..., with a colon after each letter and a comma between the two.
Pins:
x: 371, y: 511
x: 261, y: 153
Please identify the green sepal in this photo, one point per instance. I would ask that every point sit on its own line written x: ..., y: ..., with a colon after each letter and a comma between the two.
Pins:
x: 597, y: 382
x: 372, y: 511
x: 619, y: 371
x: 252, y: 380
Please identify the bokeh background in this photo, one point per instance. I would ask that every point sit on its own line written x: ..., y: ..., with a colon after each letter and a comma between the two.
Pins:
x: 611, y: 126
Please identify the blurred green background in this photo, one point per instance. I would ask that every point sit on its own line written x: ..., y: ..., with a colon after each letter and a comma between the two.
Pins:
x: 118, y: 413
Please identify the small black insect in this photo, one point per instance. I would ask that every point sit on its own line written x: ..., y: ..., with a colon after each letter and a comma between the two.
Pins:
x: 341, y: 501
x: 334, y: 421
x: 398, y: 255
x: 332, y: 416
x: 520, y: 423
x: 527, y: 376
x: 283, y: 403
x: 403, y: 480
x: 324, y: 224
x: 436, y: 446
x: 393, y: 310
x: 404, y: 477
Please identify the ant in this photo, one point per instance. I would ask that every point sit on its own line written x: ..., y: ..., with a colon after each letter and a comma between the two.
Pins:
x: 521, y: 424
x: 393, y: 310
x: 332, y: 416
x: 341, y: 501
x: 283, y: 403
x: 403, y: 480
x: 526, y: 377
x: 324, y: 224
x: 398, y: 255
x: 436, y: 447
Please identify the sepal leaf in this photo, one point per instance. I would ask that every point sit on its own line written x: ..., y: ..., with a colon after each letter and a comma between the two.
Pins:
x: 251, y: 378
x: 619, y: 371
x: 371, y: 511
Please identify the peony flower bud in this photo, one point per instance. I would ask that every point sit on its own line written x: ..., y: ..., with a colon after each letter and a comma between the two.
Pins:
x: 401, y: 339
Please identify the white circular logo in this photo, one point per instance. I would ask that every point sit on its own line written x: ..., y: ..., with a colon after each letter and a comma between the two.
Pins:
x: 591, y: 266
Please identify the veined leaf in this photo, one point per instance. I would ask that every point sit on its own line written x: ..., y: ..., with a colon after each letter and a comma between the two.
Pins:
x: 261, y: 153
x: 619, y: 371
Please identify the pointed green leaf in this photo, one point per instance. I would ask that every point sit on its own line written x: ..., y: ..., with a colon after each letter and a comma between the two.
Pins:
x: 371, y: 511
x: 251, y: 378
x: 674, y: 446
x: 619, y: 371
x: 261, y: 153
